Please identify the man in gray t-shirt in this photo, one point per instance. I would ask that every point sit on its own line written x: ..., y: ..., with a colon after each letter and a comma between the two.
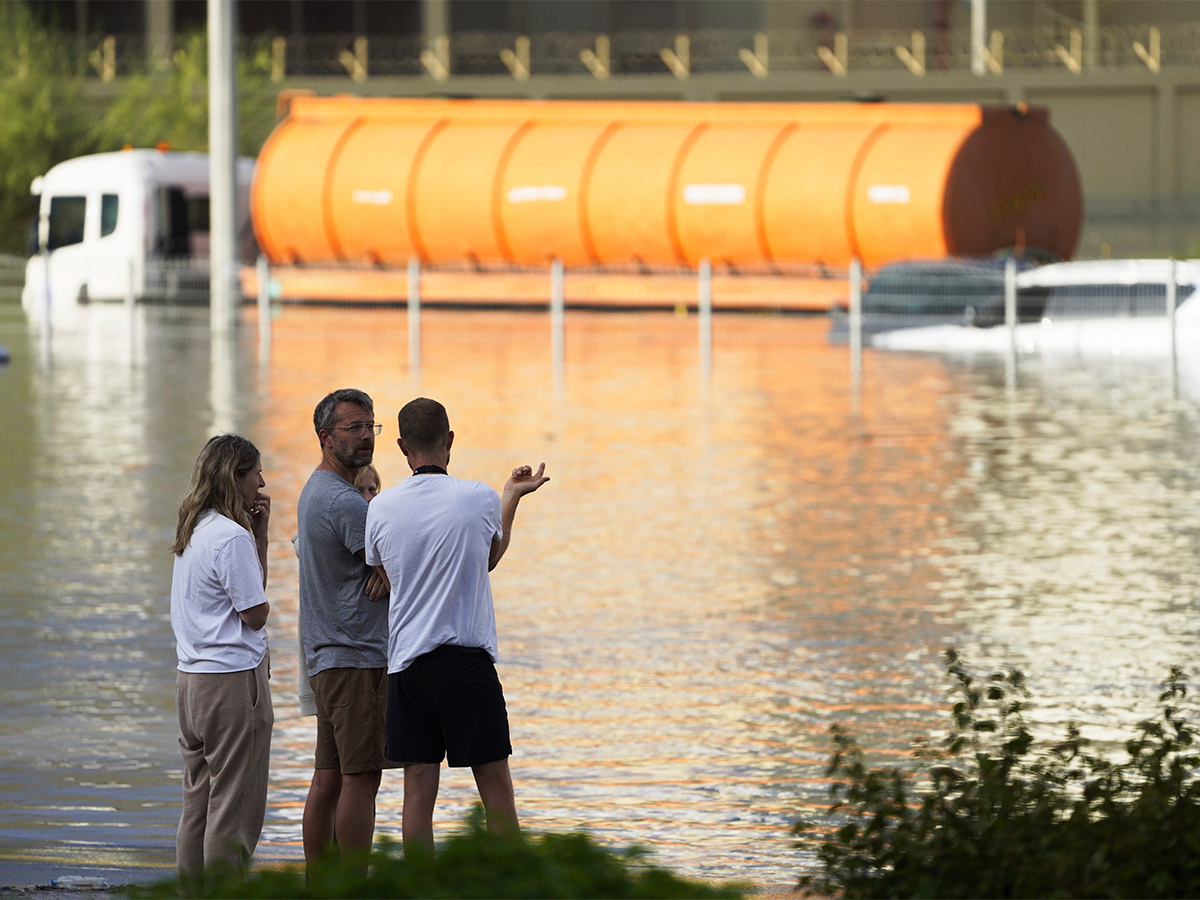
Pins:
x: 343, y: 630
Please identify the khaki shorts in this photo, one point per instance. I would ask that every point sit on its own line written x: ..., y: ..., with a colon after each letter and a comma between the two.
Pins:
x: 351, y: 720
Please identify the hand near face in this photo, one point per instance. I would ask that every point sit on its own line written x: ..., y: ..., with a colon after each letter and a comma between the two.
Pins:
x: 260, y: 513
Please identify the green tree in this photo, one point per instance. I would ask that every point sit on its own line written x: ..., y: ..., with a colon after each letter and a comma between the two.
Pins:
x: 42, y: 115
x: 171, y: 106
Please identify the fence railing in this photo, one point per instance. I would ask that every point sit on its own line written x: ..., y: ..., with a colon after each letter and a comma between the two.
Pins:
x: 991, y: 306
x: 679, y: 54
x: 12, y: 279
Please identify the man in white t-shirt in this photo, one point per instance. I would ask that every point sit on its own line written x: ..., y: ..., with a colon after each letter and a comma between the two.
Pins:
x: 437, y: 538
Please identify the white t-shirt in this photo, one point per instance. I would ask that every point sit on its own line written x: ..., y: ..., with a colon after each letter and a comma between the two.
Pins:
x: 217, y: 576
x: 433, y: 535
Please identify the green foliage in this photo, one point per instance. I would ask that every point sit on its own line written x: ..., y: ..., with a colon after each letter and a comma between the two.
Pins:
x: 988, y: 815
x: 49, y: 112
x: 42, y: 115
x: 471, y: 864
x: 171, y: 105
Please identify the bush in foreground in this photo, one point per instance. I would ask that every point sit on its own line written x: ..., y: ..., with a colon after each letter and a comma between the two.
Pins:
x: 987, y: 815
x: 468, y: 865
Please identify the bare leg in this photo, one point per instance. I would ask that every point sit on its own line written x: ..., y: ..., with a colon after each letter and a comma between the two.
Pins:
x: 356, y: 816
x: 319, y: 813
x: 496, y: 791
x: 420, y: 795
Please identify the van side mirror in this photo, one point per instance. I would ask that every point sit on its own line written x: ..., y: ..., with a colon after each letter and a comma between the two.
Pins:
x: 31, y: 237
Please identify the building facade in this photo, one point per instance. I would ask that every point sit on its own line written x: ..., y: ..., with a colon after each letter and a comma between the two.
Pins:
x: 1120, y: 78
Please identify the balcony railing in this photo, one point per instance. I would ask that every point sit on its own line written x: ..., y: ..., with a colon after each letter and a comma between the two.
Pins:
x: 753, y: 54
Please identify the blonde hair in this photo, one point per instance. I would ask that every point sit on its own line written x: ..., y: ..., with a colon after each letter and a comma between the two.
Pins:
x: 224, y: 459
x: 368, y: 469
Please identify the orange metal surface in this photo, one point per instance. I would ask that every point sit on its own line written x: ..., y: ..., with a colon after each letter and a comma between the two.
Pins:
x: 804, y: 201
x: 628, y: 209
x: 288, y: 208
x: 370, y: 204
x: 543, y: 193
x: 895, y: 203
x: 717, y: 198
x: 346, y: 179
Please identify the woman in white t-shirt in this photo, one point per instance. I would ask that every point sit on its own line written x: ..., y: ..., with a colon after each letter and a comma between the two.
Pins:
x: 219, y: 613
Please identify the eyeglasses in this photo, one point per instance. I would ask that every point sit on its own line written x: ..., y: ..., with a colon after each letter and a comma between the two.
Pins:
x: 361, y: 428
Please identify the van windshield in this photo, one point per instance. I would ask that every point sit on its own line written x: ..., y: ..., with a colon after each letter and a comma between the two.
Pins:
x: 66, y: 221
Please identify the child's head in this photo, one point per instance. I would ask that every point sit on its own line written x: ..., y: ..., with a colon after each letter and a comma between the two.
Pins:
x: 367, y: 482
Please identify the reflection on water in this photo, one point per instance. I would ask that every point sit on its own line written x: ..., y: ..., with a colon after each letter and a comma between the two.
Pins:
x: 715, y: 574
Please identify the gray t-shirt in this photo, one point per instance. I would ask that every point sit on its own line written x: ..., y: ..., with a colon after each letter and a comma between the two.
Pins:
x: 340, y: 627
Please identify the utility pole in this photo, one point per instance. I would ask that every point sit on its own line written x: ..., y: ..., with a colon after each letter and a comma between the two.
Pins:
x: 978, y: 37
x: 224, y: 282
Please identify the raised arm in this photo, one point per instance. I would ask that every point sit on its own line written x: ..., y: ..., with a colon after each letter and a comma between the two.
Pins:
x: 523, y: 481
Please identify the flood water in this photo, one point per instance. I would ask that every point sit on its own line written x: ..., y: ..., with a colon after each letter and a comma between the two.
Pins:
x: 720, y: 569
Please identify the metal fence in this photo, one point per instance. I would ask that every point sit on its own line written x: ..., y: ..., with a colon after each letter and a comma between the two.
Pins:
x: 12, y: 279
x: 933, y: 305
x: 679, y: 54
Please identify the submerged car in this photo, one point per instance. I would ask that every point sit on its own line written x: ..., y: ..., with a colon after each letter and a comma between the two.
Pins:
x: 951, y: 291
x: 1108, y: 288
x: 1109, y: 307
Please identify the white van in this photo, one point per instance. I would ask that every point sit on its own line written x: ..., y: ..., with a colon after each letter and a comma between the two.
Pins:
x: 126, y: 225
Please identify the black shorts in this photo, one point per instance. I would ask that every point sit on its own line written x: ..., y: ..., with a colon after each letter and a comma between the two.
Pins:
x: 448, y: 704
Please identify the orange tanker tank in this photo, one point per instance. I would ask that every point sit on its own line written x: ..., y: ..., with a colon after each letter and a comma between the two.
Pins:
x: 382, y: 181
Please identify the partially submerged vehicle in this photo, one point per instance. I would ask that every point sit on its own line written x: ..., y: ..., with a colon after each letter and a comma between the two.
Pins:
x: 128, y: 225
x: 1093, y: 306
x: 967, y: 291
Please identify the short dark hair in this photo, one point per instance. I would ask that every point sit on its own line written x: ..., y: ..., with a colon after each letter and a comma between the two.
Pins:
x: 323, y: 414
x: 423, y: 424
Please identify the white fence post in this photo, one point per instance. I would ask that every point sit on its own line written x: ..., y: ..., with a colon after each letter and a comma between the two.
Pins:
x: 130, y: 300
x: 856, y: 322
x: 130, y: 308
x: 263, y: 277
x: 1172, y: 303
x: 414, y: 314
x: 47, y: 303
x: 557, y: 318
x: 1010, y: 319
x: 704, y: 308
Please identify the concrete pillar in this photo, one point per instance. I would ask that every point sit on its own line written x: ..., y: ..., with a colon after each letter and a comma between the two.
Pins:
x: 435, y: 20
x: 160, y: 34
x: 1167, y: 182
x: 1091, y: 32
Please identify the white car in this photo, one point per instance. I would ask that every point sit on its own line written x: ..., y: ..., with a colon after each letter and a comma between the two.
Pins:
x: 1095, y: 306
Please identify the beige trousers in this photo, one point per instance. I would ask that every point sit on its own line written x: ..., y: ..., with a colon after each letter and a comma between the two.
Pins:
x: 225, y: 722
